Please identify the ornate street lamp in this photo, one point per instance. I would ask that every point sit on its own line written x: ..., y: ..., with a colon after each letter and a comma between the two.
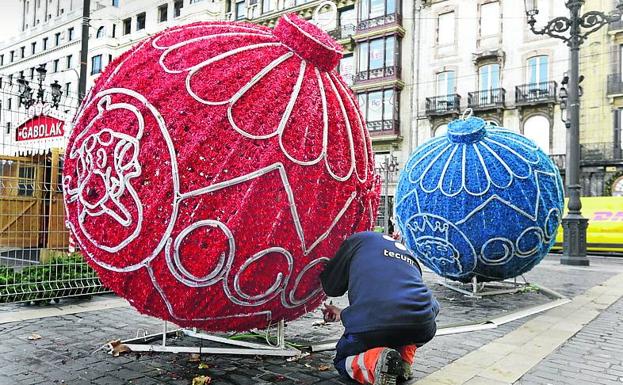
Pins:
x: 41, y: 72
x: 573, y: 31
x: 25, y: 93
x: 56, y: 94
x: 389, y: 165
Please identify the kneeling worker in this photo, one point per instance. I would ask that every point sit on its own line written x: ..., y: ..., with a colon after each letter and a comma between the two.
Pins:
x: 391, y: 312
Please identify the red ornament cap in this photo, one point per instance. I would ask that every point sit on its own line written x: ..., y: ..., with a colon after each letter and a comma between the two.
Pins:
x: 308, y: 41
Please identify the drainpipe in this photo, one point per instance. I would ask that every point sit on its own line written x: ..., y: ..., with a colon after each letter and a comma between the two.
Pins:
x: 415, y: 75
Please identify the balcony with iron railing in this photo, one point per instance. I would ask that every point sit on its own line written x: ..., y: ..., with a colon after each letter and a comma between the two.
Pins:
x: 536, y: 93
x: 343, y: 32
x: 615, y: 26
x: 592, y: 154
x: 600, y: 152
x: 486, y: 100
x: 560, y: 160
x: 390, y: 72
x: 380, y: 128
x: 615, y: 84
x: 443, y: 105
x: 381, y: 21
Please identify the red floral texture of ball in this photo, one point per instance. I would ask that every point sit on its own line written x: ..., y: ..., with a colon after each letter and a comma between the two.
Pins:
x: 215, y: 168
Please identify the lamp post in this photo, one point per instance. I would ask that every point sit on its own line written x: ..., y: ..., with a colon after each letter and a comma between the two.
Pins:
x: 41, y: 72
x: 573, y: 30
x: 25, y: 93
x: 389, y: 165
x: 56, y: 94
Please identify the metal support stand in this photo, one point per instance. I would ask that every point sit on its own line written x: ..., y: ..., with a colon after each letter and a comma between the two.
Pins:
x: 557, y: 299
x: 482, y: 289
x: 141, y: 344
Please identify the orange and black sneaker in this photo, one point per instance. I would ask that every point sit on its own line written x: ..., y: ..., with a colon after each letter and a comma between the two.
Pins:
x: 388, y: 367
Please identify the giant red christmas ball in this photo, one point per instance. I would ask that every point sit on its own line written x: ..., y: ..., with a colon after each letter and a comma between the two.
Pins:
x: 214, y: 169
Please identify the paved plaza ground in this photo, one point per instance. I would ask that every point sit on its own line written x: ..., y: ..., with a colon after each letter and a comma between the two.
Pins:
x: 579, y: 342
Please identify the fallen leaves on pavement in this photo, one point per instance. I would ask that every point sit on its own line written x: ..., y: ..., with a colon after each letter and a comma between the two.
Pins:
x: 195, y: 358
x: 34, y: 336
x: 202, y: 380
x: 324, y: 367
x: 116, y: 348
x: 203, y: 365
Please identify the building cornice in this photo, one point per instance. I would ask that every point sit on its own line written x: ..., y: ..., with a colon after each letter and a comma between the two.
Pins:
x: 17, y: 41
x: 38, y: 55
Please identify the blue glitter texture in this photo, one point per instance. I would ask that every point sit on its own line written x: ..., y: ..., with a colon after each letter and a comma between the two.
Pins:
x: 479, y: 201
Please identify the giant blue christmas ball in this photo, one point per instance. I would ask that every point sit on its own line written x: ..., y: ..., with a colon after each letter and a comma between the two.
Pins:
x: 479, y: 201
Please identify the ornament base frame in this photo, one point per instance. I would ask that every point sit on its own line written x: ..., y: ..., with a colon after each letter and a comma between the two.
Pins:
x: 238, y: 347
x: 484, y: 289
x: 556, y: 299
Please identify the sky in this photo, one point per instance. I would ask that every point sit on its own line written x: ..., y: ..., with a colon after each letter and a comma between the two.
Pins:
x: 9, y: 19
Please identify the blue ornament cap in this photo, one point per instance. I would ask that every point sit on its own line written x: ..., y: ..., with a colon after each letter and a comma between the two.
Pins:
x: 470, y: 130
x: 479, y: 201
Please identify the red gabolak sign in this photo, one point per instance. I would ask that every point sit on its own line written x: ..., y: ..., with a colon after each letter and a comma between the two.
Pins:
x: 40, y: 127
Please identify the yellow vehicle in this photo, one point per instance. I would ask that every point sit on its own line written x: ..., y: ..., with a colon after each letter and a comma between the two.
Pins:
x: 605, y: 224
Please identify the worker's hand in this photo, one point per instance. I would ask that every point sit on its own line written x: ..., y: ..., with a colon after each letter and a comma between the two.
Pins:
x: 331, y: 313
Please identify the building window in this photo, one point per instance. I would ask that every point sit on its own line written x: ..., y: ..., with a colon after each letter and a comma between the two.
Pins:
x: 380, y: 218
x: 10, y: 83
x: 12, y: 56
x: 26, y: 181
x: 140, y: 21
x: 57, y: 39
x: 441, y: 130
x: 348, y: 17
x: 267, y: 6
x: 55, y: 66
x: 115, y: 3
x: 537, y: 128
x: 32, y: 73
x: 240, y: 10
x: 1, y: 60
x: 538, y: 71
x: 618, y: 135
x: 177, y: 8
x: 489, y: 77
x: 22, y: 52
x: 45, y: 43
x: 377, y: 58
x: 490, y: 19
x: 347, y: 69
x: 370, y: 9
x: 114, y: 30
x: 96, y: 64
x: 69, y: 61
x: 446, y: 83
x: 379, y: 108
x: 163, y: 13
x: 101, y: 32
x: 127, y: 26
x: 67, y: 88
x: 9, y: 103
x: 445, y: 29
x: 33, y: 47
x: 8, y: 127
x: 70, y: 34
x: 21, y: 74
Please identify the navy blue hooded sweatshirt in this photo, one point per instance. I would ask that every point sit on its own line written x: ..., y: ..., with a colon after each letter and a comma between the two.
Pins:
x: 384, y: 283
